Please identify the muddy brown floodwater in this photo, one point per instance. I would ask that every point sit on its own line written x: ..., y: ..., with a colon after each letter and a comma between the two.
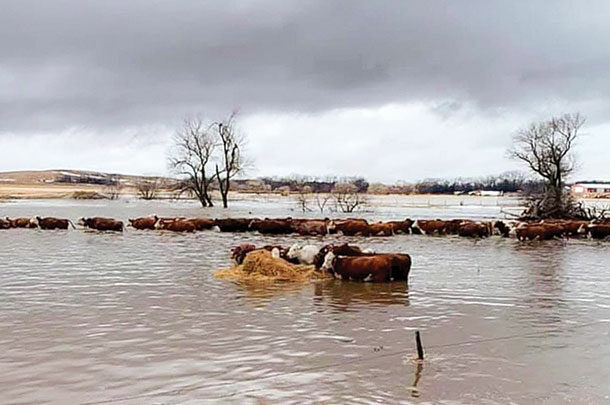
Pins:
x: 139, y: 318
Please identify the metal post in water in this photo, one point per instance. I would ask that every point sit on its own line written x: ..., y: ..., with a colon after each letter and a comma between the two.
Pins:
x: 420, y: 349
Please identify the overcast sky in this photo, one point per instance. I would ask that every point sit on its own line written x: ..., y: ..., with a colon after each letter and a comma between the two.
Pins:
x: 390, y: 90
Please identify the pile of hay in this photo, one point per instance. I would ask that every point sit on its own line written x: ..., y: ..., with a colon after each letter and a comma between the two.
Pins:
x: 260, y: 266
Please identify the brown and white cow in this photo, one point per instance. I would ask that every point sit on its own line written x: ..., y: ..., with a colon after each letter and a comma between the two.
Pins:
x: 179, y: 225
x: 430, y: 227
x: 5, y: 223
x: 381, y: 229
x: 377, y: 268
x: 538, y: 231
x: 473, y: 229
x: 401, y: 226
x: 23, y: 222
x: 144, y: 222
x: 311, y: 227
x: 351, y: 227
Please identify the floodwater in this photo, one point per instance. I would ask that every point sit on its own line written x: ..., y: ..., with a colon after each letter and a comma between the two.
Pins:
x: 139, y: 318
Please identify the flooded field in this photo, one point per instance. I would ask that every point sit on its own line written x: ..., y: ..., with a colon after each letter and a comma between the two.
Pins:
x: 139, y: 318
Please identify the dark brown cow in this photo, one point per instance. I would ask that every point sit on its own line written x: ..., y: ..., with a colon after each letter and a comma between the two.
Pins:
x: 234, y: 224
x: 599, y: 231
x: 351, y: 227
x: 473, y: 230
x: 50, y: 223
x: 272, y: 226
x: 179, y: 225
x: 202, y: 224
x: 5, y: 223
x: 452, y: 226
x: 377, y: 268
x: 102, y: 224
x: 381, y: 229
x: 23, y: 223
x: 311, y: 227
x: 144, y: 222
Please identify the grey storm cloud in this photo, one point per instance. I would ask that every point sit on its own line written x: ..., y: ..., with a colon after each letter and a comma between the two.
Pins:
x: 110, y: 64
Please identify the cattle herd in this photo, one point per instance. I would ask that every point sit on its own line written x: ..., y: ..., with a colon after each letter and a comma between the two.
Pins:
x: 345, y: 261
x: 523, y: 230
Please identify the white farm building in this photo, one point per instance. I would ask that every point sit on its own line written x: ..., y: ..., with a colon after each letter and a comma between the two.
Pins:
x: 591, y: 189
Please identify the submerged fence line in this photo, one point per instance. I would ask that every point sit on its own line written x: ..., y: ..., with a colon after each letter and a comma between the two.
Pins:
x: 331, y: 365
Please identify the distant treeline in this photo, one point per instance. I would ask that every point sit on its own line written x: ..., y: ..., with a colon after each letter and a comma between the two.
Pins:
x: 510, y: 182
x: 315, y: 185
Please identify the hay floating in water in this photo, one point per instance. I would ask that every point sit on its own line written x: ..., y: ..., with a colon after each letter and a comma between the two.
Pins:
x: 260, y: 266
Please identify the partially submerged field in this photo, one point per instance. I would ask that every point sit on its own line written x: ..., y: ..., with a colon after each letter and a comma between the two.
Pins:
x: 139, y: 317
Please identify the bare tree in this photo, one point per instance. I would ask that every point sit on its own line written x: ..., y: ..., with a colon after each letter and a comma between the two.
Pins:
x: 546, y: 148
x: 232, y: 161
x: 194, y: 146
x: 302, y: 198
x: 114, y: 189
x: 322, y: 200
x: 347, y: 198
x: 147, y: 188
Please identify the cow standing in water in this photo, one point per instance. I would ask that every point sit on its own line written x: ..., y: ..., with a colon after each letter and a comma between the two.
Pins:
x: 102, y: 224
x: 376, y: 268
x: 50, y: 223
x: 144, y: 222
x: 23, y: 222
x: 350, y: 227
x: 5, y: 223
x: 179, y: 225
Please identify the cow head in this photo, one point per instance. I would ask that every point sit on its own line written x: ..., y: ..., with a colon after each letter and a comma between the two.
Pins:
x: 294, y: 250
x: 415, y: 227
x: 329, y: 262
x: 83, y: 221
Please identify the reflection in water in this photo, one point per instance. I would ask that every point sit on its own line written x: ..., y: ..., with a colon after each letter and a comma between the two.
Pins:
x: 342, y: 294
x: 543, y: 287
x: 419, y: 366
